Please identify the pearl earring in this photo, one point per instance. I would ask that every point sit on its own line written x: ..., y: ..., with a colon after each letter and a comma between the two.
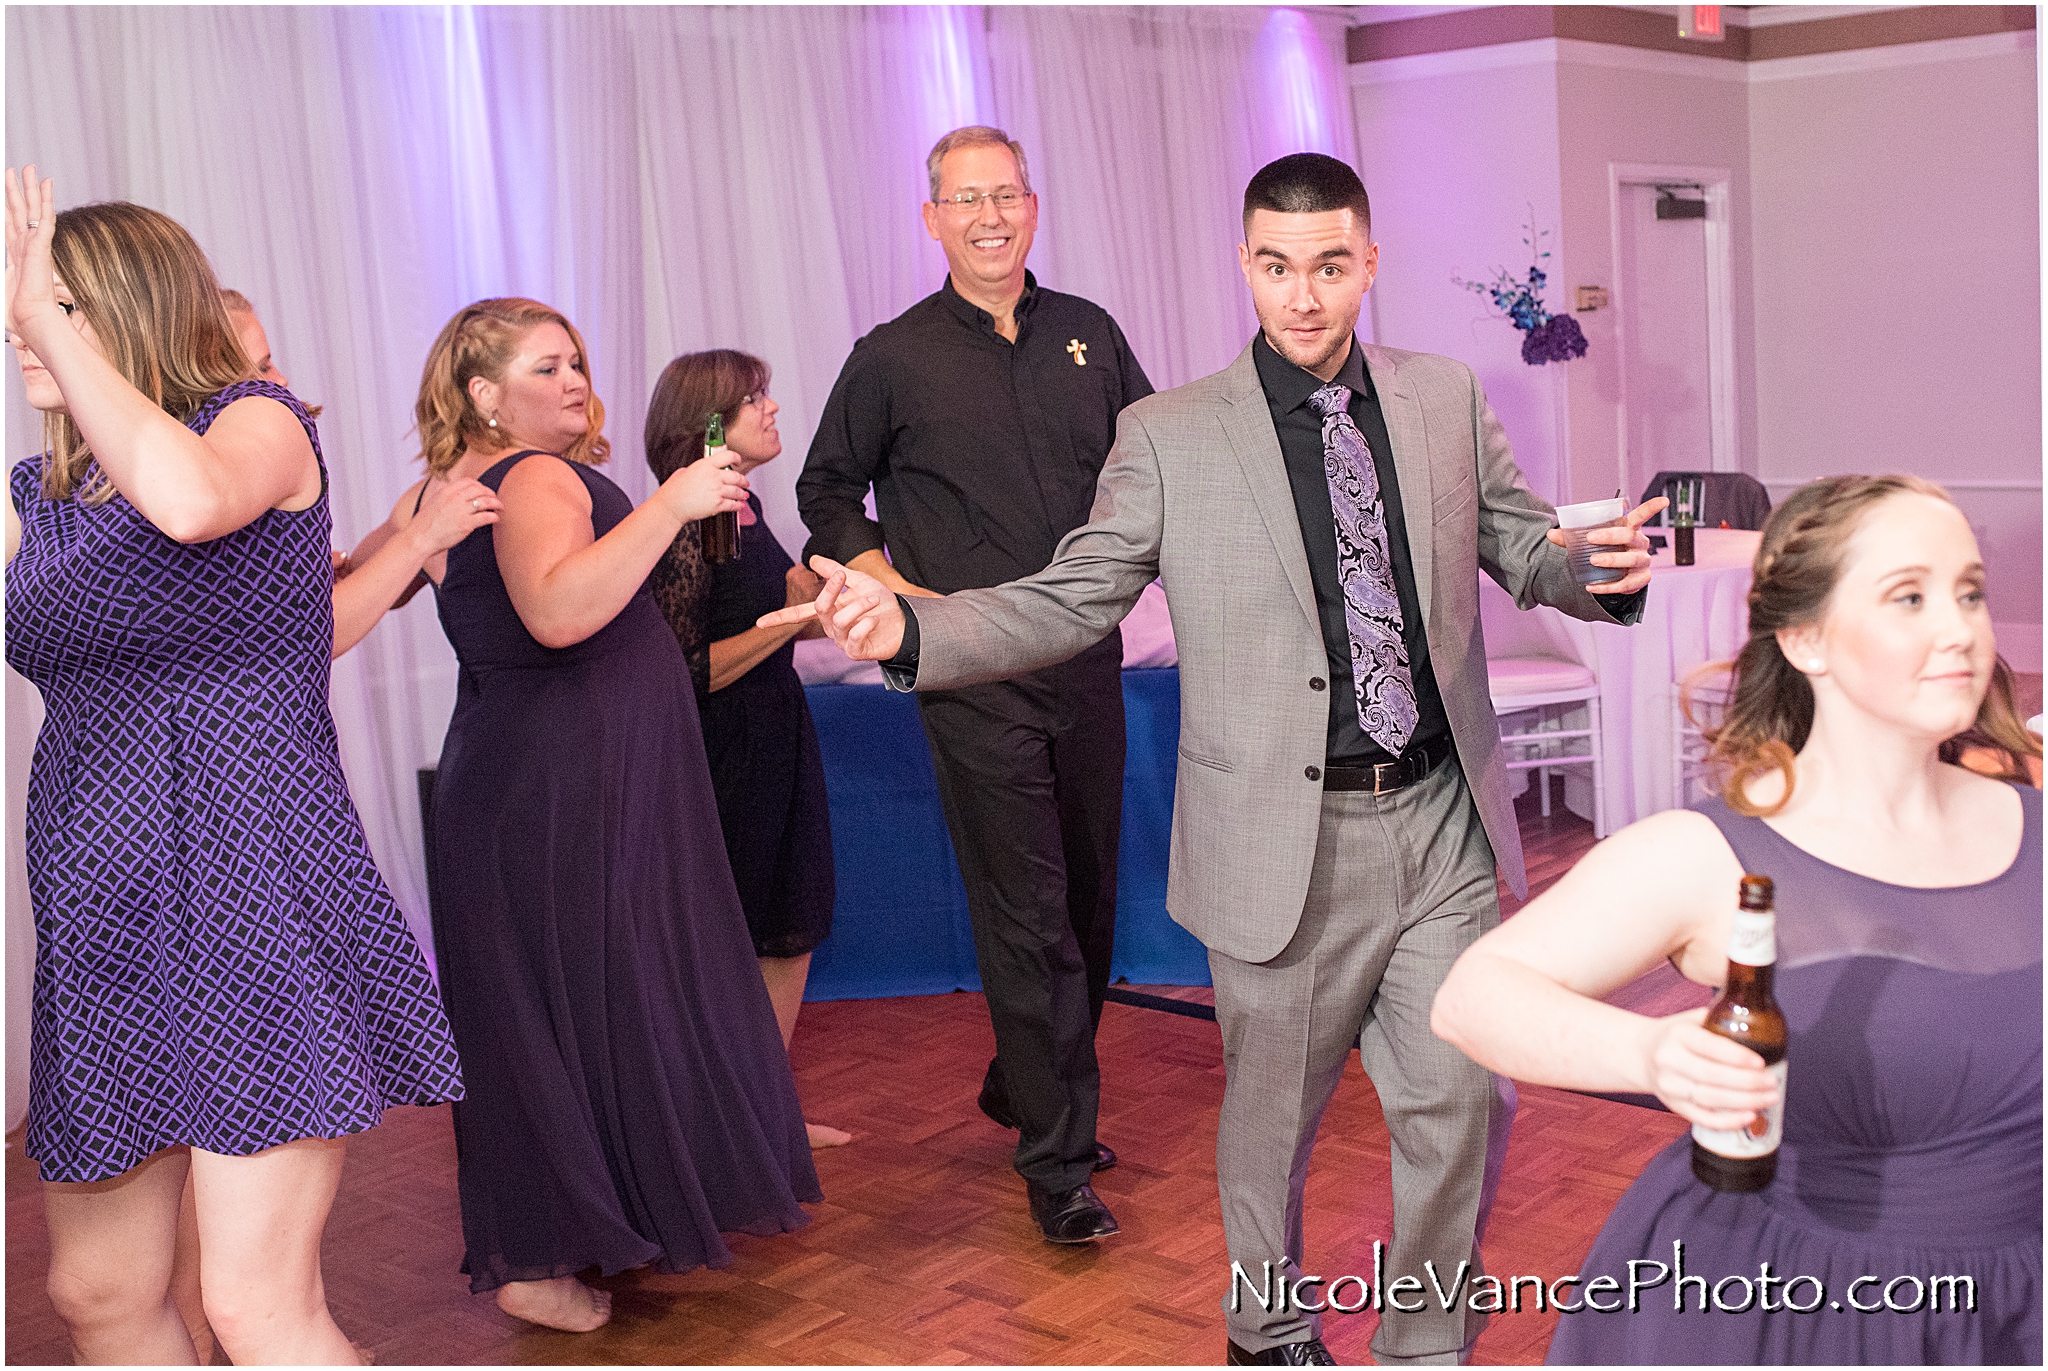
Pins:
x: 494, y: 421
x: 1813, y: 664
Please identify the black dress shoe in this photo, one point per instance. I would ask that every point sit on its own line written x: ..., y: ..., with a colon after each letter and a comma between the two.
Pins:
x: 1070, y: 1215
x: 998, y: 1109
x: 1310, y: 1353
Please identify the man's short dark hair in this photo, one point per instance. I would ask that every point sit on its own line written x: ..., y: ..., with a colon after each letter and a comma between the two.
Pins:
x: 1307, y: 183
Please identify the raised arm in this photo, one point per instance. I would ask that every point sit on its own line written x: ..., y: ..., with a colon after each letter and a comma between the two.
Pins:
x: 254, y: 458
x: 1525, y: 1000
x: 1516, y: 543
x: 387, y: 568
x: 566, y: 583
x: 1096, y: 575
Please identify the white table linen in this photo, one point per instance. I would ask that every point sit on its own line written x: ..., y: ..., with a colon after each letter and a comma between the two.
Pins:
x: 1694, y: 614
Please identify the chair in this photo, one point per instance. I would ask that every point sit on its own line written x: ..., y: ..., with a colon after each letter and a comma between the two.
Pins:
x: 1710, y: 689
x: 1530, y: 698
x: 1734, y: 496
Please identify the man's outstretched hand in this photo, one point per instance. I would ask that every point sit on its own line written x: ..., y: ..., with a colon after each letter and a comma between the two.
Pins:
x: 856, y: 611
x: 1624, y: 545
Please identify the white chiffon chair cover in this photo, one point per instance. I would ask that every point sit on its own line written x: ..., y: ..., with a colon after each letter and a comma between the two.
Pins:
x: 1694, y: 614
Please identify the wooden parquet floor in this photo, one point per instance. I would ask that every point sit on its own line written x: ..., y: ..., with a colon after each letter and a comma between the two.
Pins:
x: 922, y: 1251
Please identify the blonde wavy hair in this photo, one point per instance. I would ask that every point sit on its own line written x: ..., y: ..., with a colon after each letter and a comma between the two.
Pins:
x: 1769, y: 714
x: 152, y: 300
x: 481, y: 340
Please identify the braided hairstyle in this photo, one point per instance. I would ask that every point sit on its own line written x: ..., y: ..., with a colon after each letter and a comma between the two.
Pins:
x: 1770, y: 708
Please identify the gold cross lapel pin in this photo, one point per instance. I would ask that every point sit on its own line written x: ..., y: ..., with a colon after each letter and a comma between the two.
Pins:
x: 1080, y: 351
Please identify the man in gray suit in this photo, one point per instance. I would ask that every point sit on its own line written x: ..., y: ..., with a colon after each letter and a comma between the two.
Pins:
x: 1318, y: 513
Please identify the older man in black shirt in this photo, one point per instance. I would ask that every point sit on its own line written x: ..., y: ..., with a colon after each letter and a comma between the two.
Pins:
x: 982, y: 416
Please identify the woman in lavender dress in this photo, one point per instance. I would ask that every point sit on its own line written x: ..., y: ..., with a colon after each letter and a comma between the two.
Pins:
x: 629, y: 1096
x: 1904, y: 1223
x: 223, y: 984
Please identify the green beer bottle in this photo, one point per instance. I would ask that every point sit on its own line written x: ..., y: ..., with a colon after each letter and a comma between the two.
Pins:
x: 721, y: 532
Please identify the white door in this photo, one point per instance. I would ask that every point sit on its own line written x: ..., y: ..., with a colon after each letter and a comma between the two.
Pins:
x: 1666, y: 368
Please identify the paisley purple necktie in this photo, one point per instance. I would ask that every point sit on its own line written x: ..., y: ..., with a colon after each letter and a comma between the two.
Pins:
x: 1372, y: 609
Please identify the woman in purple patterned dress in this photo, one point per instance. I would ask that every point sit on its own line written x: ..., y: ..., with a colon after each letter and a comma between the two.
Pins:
x: 1904, y: 1223
x: 223, y: 983
x: 629, y: 1095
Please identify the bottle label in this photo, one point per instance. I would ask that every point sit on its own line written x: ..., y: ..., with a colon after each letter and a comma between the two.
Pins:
x: 1760, y: 1138
x: 1754, y: 939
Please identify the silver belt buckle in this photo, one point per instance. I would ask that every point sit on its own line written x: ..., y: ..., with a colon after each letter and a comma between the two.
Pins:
x: 1380, y: 778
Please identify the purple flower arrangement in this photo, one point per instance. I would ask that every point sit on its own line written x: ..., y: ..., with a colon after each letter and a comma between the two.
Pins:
x: 1556, y: 339
x: 1549, y: 338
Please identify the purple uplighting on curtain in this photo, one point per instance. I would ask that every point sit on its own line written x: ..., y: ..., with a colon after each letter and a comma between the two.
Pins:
x: 952, y: 65
x: 1304, y: 89
x: 479, y: 226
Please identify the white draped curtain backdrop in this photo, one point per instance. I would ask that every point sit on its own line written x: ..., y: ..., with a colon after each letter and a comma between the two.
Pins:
x: 673, y: 179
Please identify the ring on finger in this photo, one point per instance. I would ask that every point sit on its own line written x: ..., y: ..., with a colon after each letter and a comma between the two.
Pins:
x: 474, y: 506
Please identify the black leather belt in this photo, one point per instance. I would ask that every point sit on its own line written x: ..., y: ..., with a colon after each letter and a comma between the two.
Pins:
x: 1390, y: 776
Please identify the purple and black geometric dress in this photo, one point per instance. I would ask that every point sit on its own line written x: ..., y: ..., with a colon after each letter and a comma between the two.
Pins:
x: 218, y: 961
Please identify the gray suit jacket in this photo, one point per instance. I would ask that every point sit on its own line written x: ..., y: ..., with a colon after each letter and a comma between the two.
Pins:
x: 1195, y: 492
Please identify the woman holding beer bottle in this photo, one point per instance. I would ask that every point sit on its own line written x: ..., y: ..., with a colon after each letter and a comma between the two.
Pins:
x: 712, y: 584
x: 1903, y: 1221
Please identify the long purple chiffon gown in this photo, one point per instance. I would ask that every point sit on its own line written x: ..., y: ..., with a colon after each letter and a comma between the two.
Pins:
x: 217, y: 960
x: 629, y: 1095
x: 1912, y: 1146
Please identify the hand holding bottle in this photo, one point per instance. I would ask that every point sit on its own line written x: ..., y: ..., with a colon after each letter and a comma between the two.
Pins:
x: 705, y: 487
x: 1703, y: 1077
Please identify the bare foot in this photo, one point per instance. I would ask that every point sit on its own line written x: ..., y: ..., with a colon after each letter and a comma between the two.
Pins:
x: 823, y: 1135
x: 564, y: 1302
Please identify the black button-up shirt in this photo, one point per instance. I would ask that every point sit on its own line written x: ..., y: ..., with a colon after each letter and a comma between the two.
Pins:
x: 982, y: 452
x: 1300, y: 427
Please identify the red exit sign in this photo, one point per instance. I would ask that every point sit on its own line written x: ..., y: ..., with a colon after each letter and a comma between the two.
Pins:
x: 1702, y: 22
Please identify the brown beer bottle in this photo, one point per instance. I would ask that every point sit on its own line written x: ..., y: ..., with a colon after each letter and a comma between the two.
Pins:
x: 721, y: 532
x: 1746, y: 1159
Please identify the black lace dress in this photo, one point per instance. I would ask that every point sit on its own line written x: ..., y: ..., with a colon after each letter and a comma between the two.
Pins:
x: 758, y: 737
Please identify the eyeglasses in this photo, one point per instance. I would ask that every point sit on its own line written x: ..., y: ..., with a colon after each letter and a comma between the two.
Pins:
x: 970, y: 200
x: 754, y: 397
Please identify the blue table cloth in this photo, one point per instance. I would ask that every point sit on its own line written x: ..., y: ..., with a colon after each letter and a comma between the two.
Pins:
x: 900, y: 924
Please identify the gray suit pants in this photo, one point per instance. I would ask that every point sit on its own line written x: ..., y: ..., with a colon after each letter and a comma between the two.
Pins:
x: 1402, y: 884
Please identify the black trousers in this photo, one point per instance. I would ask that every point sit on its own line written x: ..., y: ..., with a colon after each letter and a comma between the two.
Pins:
x: 1031, y: 777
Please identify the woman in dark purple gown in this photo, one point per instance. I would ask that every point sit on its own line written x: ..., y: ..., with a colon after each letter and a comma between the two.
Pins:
x: 629, y: 1096
x: 1904, y: 1221
x: 223, y: 984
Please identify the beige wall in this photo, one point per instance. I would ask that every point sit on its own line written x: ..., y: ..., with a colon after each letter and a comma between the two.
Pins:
x: 1884, y: 245
x: 1624, y: 106
x: 1454, y: 159
x: 1898, y: 288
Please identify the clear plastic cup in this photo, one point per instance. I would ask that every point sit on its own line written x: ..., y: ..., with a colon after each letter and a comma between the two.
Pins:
x: 1578, y: 520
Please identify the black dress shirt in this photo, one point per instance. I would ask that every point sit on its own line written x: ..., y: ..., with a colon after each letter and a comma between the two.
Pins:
x: 1287, y: 388
x: 1300, y: 427
x: 982, y: 452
